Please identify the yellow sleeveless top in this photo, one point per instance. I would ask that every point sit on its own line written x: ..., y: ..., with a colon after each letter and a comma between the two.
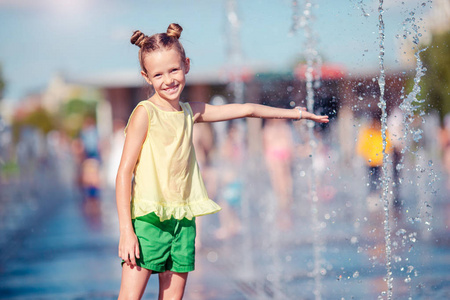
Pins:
x: 167, y: 178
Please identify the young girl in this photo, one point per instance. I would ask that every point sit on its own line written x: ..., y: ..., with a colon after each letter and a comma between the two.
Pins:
x: 159, y: 172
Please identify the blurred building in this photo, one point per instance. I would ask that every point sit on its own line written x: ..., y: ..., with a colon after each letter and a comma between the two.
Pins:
x: 123, y: 91
x: 436, y: 22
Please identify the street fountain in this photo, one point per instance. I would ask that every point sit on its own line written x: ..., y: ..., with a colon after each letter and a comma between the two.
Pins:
x: 385, y: 179
x: 409, y: 107
x: 271, y: 266
x: 313, y: 66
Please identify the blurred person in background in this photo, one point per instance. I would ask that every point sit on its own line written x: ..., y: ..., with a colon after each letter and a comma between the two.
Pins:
x: 89, y: 174
x: 278, y: 151
x: 445, y: 146
x: 203, y: 140
x: 90, y: 139
x: 346, y: 133
x: 230, y: 157
x: 370, y: 148
x: 395, y: 125
x: 114, y: 152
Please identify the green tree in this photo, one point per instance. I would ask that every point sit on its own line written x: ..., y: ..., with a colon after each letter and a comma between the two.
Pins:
x: 436, y: 82
x: 73, y: 113
x: 2, y: 83
x: 38, y: 118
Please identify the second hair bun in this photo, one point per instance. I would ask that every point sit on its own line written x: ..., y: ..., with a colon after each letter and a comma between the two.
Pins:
x: 174, y: 30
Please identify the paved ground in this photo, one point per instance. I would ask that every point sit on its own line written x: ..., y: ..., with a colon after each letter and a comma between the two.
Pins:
x: 69, y: 256
x: 68, y: 253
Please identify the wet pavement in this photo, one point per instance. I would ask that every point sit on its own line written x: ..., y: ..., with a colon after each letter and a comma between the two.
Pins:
x: 68, y: 256
x: 70, y: 252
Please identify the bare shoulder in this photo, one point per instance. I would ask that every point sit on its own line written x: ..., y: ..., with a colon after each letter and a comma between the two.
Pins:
x: 138, y: 123
x: 198, y: 108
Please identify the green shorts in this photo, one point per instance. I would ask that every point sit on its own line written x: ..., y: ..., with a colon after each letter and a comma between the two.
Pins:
x: 165, y: 246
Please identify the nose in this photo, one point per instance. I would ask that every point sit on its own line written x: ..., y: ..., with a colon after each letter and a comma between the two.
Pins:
x: 168, y: 80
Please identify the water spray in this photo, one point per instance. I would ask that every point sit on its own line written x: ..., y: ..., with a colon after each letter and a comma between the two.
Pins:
x: 313, y: 76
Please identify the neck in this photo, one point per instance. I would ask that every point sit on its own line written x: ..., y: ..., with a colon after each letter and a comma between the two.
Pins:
x: 166, y: 105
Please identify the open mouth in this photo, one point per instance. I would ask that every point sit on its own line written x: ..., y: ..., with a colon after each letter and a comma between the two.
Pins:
x: 172, y: 89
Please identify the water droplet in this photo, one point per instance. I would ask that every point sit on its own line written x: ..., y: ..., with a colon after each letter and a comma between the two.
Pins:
x: 400, y: 232
x: 270, y: 277
x: 212, y: 256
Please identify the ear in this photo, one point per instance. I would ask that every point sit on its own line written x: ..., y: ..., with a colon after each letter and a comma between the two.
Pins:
x: 146, y: 77
x: 187, y: 65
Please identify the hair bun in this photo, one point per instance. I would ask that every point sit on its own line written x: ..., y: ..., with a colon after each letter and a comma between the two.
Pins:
x: 174, y: 30
x: 138, y: 38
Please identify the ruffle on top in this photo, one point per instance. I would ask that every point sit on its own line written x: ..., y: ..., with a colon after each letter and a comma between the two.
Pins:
x: 188, y: 211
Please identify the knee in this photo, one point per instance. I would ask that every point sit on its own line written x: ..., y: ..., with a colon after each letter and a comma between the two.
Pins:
x: 172, y: 285
x: 165, y: 279
x: 166, y: 275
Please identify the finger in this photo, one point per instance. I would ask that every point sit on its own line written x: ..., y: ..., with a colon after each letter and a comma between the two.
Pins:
x: 132, y: 260
x: 137, y: 253
x: 126, y: 259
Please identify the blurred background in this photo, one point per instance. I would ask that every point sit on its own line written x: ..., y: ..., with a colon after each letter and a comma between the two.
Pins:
x: 304, y: 205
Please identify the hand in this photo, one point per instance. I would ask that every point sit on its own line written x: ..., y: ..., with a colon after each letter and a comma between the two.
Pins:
x: 129, y: 248
x: 310, y: 116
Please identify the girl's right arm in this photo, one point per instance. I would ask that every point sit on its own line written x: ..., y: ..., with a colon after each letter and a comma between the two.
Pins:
x: 136, y: 133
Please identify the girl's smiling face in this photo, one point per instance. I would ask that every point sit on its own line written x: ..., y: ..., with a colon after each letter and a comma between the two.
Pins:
x: 166, y: 73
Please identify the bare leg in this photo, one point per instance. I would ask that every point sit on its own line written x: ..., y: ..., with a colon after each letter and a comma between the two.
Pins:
x: 134, y: 281
x: 171, y: 285
x: 285, y: 185
x: 281, y: 178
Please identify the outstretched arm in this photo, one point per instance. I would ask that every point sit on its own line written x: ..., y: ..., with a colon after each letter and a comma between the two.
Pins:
x: 213, y: 113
